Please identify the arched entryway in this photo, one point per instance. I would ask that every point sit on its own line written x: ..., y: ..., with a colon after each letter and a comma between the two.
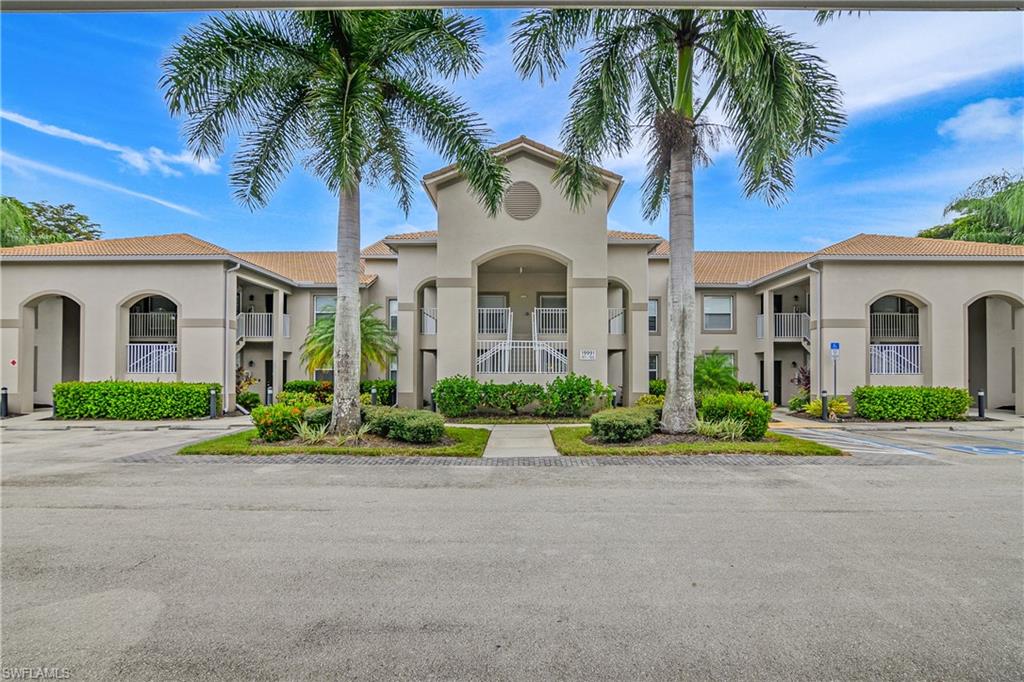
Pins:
x: 619, y: 354
x: 994, y: 343
x: 898, y: 350
x: 50, y: 346
x: 150, y: 321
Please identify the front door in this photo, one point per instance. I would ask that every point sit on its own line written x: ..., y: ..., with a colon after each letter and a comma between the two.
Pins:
x: 268, y: 379
x: 777, y: 382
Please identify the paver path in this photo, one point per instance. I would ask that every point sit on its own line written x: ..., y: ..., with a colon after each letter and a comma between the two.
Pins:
x: 520, y: 440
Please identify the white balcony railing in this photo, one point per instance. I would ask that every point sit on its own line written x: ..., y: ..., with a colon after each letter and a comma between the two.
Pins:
x: 522, y: 357
x: 159, y: 325
x: 616, y: 320
x: 895, y: 358
x: 550, y: 320
x: 428, y: 321
x: 792, y: 326
x: 256, y: 325
x: 894, y: 326
x: 152, y: 358
x: 494, y: 321
x: 760, y: 326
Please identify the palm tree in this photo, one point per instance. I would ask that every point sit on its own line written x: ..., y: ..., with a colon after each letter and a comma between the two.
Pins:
x: 376, y: 341
x: 343, y: 90
x: 777, y: 97
x: 990, y: 210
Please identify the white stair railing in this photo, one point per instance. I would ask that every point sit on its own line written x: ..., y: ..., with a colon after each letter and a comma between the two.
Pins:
x: 152, y: 358
x: 156, y: 325
x: 428, y: 321
x: 895, y: 358
x: 494, y: 321
x: 616, y: 320
x: 551, y: 320
x: 895, y: 326
x: 522, y: 357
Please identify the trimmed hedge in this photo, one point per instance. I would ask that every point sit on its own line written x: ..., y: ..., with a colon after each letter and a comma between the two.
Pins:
x: 386, y: 390
x: 511, y: 397
x: 656, y: 386
x: 574, y: 395
x: 749, y: 408
x: 911, y: 403
x: 323, y: 391
x: 317, y: 416
x: 411, y: 426
x: 132, y: 400
x: 250, y: 400
x: 836, y: 404
x: 623, y: 424
x: 458, y: 395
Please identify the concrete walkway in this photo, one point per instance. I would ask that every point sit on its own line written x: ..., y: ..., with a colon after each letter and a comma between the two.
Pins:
x: 520, y: 440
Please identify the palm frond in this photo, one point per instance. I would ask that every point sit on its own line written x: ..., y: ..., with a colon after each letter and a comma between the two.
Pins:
x: 377, y: 341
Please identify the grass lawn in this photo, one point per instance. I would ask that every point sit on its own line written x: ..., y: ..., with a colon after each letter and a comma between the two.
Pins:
x: 569, y: 441
x: 469, y: 443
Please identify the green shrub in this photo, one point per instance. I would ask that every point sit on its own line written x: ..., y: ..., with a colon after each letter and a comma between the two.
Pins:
x: 311, y: 434
x: 510, y: 397
x: 623, y: 424
x: 655, y: 401
x: 323, y: 391
x: 248, y: 400
x: 573, y: 395
x: 798, y: 401
x: 317, y: 416
x: 911, y: 403
x: 276, y: 422
x: 747, y: 387
x: 836, y: 404
x: 751, y: 409
x: 303, y: 401
x: 714, y: 372
x: 386, y: 390
x: 722, y: 429
x: 656, y: 387
x: 132, y: 400
x: 413, y: 426
x: 365, y: 399
x: 457, y: 396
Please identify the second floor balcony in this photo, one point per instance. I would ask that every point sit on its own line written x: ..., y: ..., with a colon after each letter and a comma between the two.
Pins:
x: 786, y: 326
x: 260, y: 326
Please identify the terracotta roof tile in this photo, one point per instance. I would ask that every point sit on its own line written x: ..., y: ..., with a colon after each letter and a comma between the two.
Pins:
x: 157, y: 245
x: 522, y: 139
x: 889, y: 245
x: 378, y: 249
x: 627, y: 236
x: 303, y: 266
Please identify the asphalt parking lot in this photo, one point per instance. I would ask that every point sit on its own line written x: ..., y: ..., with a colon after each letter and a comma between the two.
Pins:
x: 175, y: 570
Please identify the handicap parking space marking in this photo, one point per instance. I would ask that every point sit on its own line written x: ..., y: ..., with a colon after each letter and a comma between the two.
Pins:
x: 850, y: 444
x: 987, y: 450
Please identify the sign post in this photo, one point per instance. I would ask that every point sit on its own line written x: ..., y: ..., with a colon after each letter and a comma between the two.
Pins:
x: 833, y: 348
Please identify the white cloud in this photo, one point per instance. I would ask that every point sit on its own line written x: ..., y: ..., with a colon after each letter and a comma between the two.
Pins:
x: 989, y: 120
x: 140, y: 161
x: 22, y: 165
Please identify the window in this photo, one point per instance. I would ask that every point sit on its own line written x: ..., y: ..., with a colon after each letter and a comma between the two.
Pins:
x: 324, y: 375
x: 729, y: 355
x: 553, y: 301
x: 652, y: 315
x: 718, y: 313
x: 492, y: 301
x: 393, y: 368
x: 323, y: 306
x: 652, y: 366
x: 393, y: 314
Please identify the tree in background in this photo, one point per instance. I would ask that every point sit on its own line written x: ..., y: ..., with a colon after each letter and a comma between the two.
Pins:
x: 39, y: 222
x: 639, y: 72
x: 990, y: 210
x: 376, y: 341
x: 343, y: 90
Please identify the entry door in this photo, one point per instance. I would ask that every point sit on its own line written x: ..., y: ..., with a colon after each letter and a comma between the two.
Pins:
x: 777, y: 303
x: 777, y: 382
x: 268, y: 380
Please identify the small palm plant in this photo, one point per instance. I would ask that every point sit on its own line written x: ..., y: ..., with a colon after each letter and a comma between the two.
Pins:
x: 342, y: 91
x: 376, y: 341
x: 638, y: 78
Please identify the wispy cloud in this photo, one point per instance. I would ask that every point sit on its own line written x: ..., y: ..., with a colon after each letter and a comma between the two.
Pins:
x: 20, y: 164
x: 989, y: 120
x: 142, y: 161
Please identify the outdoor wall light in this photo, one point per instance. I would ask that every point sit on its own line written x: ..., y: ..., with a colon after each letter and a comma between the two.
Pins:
x: 253, y: 364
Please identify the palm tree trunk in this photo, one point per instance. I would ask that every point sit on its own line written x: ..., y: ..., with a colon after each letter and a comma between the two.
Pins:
x: 347, y: 352
x: 680, y: 411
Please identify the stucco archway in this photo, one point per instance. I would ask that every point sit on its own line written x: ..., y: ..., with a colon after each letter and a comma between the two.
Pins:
x: 50, y: 346
x: 994, y: 343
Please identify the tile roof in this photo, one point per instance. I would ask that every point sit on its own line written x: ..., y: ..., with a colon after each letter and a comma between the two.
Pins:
x: 628, y: 236
x: 303, y: 266
x: 157, y: 245
x: 524, y: 140
x: 888, y: 245
x: 734, y: 267
x: 377, y: 249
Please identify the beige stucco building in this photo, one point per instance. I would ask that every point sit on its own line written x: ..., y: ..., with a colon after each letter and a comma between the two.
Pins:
x: 534, y: 292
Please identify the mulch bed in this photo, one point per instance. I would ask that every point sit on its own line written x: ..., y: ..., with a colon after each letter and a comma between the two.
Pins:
x: 655, y: 439
x: 367, y: 441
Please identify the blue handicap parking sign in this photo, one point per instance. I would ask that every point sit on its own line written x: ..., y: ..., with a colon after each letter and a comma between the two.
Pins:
x: 987, y: 450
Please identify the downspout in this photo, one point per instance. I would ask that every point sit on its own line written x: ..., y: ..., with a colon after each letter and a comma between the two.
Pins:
x: 228, y: 342
x: 821, y: 360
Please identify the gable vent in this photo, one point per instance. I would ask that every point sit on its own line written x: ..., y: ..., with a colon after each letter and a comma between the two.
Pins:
x: 522, y: 200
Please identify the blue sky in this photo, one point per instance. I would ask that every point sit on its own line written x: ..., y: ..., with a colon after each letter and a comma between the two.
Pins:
x: 935, y: 101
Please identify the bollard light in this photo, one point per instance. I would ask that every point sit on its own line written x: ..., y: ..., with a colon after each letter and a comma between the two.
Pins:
x: 766, y: 397
x: 981, y: 404
x: 373, y: 395
x: 270, y: 395
x: 3, y: 402
x: 824, y: 405
x: 433, y: 402
x: 213, y: 403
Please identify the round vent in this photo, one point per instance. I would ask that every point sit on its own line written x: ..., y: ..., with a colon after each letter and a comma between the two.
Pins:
x: 522, y: 200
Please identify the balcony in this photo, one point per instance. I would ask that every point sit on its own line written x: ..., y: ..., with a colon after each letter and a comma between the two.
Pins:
x: 158, y: 325
x: 152, y: 358
x: 428, y: 321
x: 894, y: 327
x: 260, y: 326
x: 522, y: 357
x: 494, y: 321
x: 617, y: 321
x: 895, y: 358
x: 787, y: 326
x: 550, y: 321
